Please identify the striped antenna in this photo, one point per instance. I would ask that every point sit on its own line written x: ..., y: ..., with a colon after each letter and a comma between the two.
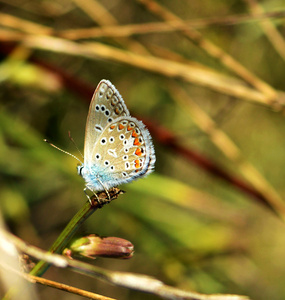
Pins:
x: 63, y: 150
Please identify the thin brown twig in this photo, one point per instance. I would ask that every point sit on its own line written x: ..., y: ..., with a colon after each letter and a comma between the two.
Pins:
x: 211, y: 49
x: 269, y: 28
x: 97, y: 12
x: 167, y: 68
x: 23, y: 25
x: 54, y: 284
x: 133, y: 281
x: 162, y: 27
x: 230, y: 150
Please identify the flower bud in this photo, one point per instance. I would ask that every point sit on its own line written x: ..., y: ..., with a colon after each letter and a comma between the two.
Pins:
x: 93, y: 245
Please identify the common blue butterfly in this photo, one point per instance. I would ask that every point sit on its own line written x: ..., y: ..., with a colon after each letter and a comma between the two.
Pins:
x: 118, y: 148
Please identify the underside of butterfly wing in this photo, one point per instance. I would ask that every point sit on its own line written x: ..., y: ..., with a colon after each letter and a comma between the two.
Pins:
x: 106, y: 105
x: 123, y: 152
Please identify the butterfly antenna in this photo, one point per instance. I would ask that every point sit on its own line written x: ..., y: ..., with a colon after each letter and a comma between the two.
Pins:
x: 54, y: 146
x: 71, y: 138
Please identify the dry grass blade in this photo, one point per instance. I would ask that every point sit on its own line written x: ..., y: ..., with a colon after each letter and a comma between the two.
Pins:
x: 230, y: 150
x: 128, y: 280
x: 269, y: 28
x: 54, y: 284
x: 97, y: 12
x: 213, y: 50
x: 23, y: 25
x: 157, y: 65
x: 113, y: 31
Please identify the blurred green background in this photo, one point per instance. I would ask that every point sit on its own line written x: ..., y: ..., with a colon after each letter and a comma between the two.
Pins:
x: 191, y: 226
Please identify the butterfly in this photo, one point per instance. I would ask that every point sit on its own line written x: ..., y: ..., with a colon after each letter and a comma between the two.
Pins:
x: 118, y: 148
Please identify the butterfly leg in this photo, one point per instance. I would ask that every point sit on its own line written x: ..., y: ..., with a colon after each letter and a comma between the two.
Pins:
x: 106, y: 191
x: 88, y: 197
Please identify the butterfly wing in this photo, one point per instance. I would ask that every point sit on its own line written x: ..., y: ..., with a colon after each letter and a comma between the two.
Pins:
x: 124, y: 151
x: 106, y: 105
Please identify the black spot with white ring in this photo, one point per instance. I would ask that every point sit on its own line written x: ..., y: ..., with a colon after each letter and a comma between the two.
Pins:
x: 97, y: 107
x: 121, y: 137
x: 112, y: 168
x: 106, y: 163
x: 103, y: 108
x: 111, y: 139
x: 107, y: 113
x: 125, y: 157
x: 98, y: 156
x: 103, y: 141
x: 110, y: 120
x: 127, y: 165
x: 124, y: 174
x: 126, y: 150
x: 125, y: 142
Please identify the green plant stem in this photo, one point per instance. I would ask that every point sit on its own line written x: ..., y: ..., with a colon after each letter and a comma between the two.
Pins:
x: 61, y: 242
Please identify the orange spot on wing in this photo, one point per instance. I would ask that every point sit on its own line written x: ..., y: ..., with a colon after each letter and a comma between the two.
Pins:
x: 138, y: 152
x: 137, y: 165
x: 137, y: 142
x: 129, y: 128
x: 112, y: 126
x: 134, y: 134
x: 121, y: 126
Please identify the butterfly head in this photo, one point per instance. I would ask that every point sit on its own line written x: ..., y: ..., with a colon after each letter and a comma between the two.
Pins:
x: 80, y: 170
